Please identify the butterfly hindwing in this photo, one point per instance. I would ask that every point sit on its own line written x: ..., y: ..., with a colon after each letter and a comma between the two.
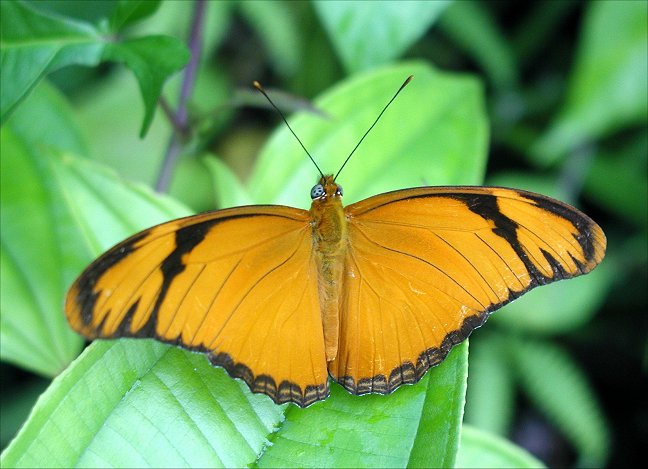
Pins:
x: 239, y: 285
x: 426, y: 266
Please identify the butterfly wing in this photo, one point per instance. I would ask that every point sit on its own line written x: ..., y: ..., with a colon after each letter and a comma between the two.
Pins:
x: 239, y: 285
x: 426, y: 266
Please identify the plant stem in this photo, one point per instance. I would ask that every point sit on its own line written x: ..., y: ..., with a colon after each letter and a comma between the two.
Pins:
x: 170, y: 115
x: 180, y: 117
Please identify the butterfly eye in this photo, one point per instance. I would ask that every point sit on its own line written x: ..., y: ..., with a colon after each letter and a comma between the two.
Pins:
x: 339, y: 191
x: 317, y: 191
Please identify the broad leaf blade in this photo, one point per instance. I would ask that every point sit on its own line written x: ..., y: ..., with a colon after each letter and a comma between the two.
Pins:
x: 471, y: 27
x: 152, y: 59
x: 135, y: 403
x: 608, y: 87
x: 165, y: 407
x: 57, y: 214
x: 127, y: 12
x: 368, y: 34
x: 435, y: 133
x: 482, y: 449
x: 34, y: 43
x: 417, y: 426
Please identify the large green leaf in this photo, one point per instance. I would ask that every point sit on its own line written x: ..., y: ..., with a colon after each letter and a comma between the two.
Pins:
x: 140, y: 403
x: 367, y: 34
x: 35, y: 43
x: 470, y: 27
x: 127, y: 12
x: 277, y: 26
x: 152, y: 59
x: 482, y: 449
x: 57, y: 213
x: 434, y: 133
x: 609, y: 85
x: 30, y: 280
x: 490, y: 399
x: 560, y: 307
x: 34, y: 334
x: 618, y: 179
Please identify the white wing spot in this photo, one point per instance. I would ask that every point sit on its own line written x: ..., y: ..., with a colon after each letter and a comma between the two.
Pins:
x: 414, y: 290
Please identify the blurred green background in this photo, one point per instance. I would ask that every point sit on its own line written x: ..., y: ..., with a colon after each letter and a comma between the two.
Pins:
x: 554, y: 92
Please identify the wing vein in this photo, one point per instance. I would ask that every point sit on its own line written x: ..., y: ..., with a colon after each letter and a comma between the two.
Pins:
x: 425, y: 262
x: 470, y: 263
x: 213, y: 299
x: 249, y: 290
x: 503, y: 261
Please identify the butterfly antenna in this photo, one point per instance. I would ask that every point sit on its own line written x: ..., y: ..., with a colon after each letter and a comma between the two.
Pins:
x: 409, y: 78
x: 258, y: 86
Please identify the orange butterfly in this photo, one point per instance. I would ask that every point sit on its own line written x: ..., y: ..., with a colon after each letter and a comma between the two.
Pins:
x: 372, y: 294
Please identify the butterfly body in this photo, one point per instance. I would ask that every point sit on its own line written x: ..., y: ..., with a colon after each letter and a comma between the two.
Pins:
x: 329, y: 226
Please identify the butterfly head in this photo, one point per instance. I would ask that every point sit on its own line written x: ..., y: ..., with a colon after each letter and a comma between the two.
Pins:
x: 325, y: 189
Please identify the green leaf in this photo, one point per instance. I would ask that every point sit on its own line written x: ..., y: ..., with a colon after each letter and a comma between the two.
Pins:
x: 609, y: 85
x: 560, y: 307
x: 174, y: 19
x: 277, y: 27
x: 377, y: 431
x: 127, y: 12
x: 106, y: 118
x: 618, y: 180
x: 367, y: 34
x: 47, y: 119
x: 108, y: 121
x: 558, y: 387
x: 482, y: 449
x: 152, y: 59
x: 434, y: 133
x: 162, y: 406
x: 490, y: 398
x: 229, y: 191
x: 442, y: 413
x: 33, y: 333
x: 36, y: 43
x: 469, y: 25
x: 52, y: 206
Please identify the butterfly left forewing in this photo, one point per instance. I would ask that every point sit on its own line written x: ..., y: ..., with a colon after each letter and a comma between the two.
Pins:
x: 239, y: 285
x: 426, y: 266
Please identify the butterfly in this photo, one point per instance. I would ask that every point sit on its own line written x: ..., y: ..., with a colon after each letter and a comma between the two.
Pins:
x: 371, y: 295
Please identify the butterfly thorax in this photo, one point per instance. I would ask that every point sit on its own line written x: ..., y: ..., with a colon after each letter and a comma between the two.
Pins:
x: 329, y: 226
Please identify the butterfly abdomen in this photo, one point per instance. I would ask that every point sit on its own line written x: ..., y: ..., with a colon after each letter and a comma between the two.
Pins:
x: 329, y: 227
